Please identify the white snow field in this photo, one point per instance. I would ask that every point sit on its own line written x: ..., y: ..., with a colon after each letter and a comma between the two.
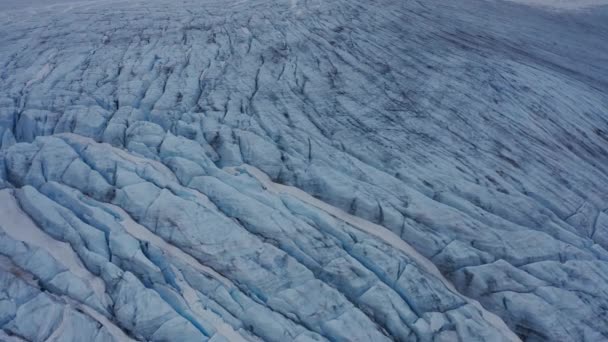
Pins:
x: 303, y: 170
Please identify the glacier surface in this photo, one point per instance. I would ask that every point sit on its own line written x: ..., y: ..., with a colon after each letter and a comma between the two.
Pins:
x: 303, y: 170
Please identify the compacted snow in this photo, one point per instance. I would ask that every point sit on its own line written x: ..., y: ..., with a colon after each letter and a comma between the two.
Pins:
x: 303, y: 170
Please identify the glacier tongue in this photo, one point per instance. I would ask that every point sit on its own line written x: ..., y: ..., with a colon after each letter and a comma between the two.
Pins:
x: 303, y: 170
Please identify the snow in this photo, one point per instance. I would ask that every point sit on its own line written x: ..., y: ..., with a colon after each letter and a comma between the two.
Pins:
x: 115, y: 331
x: 564, y: 4
x: 38, y: 6
x: 7, y: 265
x: 374, y: 229
x: 20, y: 227
x: 303, y: 170
x: 59, y: 330
x: 364, y: 225
x: 143, y: 234
x: 193, y: 302
x: 46, y: 69
x: 8, y: 338
x: 127, y: 156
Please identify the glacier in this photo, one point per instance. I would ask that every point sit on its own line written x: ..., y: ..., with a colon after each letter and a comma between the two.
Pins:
x: 303, y: 170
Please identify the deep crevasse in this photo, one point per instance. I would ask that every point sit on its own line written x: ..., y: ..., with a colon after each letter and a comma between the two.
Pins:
x: 401, y: 139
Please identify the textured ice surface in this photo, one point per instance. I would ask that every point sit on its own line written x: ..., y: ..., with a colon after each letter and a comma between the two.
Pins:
x: 303, y: 170
x: 564, y: 4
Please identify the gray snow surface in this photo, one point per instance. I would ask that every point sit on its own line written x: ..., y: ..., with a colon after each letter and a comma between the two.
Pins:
x: 303, y: 170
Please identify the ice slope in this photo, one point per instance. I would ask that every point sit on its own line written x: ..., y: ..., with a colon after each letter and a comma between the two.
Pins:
x: 303, y: 170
